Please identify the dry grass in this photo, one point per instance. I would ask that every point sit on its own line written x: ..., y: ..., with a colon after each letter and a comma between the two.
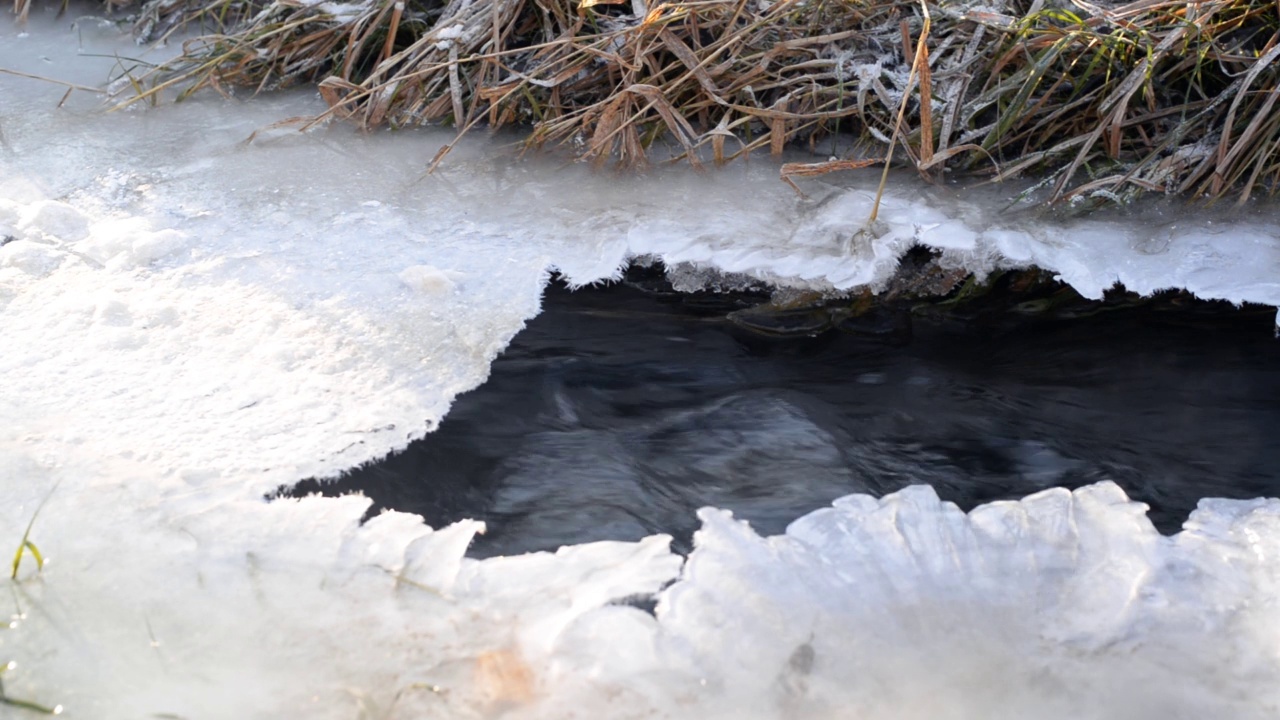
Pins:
x: 1106, y: 101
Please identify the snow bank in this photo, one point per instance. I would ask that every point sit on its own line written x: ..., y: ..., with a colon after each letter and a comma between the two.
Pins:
x: 190, y: 321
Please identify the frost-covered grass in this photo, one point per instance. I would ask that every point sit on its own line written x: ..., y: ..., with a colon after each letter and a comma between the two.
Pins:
x: 1107, y: 99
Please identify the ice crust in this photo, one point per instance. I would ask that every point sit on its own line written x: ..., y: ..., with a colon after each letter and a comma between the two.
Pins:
x: 190, y: 321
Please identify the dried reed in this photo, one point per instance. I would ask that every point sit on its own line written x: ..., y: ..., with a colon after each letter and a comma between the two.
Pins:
x: 1106, y: 100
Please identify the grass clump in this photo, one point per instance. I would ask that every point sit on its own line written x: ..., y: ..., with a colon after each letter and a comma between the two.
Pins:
x: 1106, y: 100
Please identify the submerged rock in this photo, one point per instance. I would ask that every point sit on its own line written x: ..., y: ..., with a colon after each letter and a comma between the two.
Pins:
x: 793, y: 315
x: 784, y: 322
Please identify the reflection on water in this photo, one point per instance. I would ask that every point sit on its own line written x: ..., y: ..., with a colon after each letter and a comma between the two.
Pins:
x: 618, y: 412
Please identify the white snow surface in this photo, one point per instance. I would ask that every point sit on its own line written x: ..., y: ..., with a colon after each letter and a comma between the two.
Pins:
x: 190, y: 320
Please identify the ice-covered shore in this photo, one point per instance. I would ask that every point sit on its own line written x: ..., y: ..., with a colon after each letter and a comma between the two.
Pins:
x: 190, y: 321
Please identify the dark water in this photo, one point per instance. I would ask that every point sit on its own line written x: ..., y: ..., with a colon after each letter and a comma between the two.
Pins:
x: 617, y: 413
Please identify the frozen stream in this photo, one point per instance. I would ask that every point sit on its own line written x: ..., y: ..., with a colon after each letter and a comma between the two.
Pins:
x: 621, y: 410
x: 188, y: 321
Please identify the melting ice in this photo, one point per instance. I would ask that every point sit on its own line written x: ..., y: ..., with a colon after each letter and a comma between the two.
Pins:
x: 191, y: 320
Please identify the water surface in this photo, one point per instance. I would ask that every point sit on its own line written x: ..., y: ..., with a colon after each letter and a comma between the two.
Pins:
x: 620, y: 411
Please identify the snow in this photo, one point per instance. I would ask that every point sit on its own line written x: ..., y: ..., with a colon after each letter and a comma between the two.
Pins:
x: 191, y: 321
x: 341, y: 11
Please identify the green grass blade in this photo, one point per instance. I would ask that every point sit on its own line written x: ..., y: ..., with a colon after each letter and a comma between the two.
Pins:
x: 26, y: 543
x: 32, y: 706
x: 1016, y: 108
x: 35, y: 552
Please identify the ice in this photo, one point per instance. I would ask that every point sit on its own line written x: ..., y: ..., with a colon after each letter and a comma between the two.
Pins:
x: 1064, y: 605
x: 430, y: 280
x: 54, y: 221
x: 453, y: 32
x: 190, y: 321
x: 30, y: 257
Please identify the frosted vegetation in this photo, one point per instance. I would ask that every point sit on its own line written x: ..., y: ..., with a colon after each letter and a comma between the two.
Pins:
x: 1100, y: 100
x: 191, y: 319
